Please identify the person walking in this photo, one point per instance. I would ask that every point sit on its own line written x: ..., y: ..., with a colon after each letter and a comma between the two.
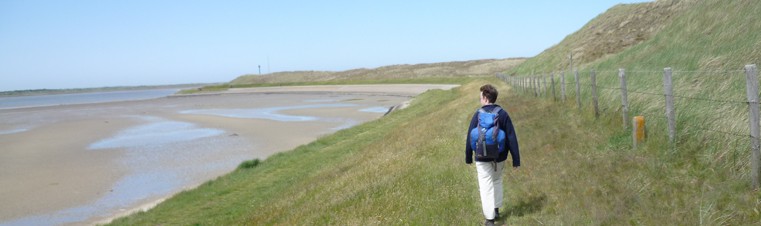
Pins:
x: 491, y: 136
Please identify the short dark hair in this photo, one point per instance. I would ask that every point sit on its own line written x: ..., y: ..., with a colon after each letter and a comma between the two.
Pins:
x: 489, y: 92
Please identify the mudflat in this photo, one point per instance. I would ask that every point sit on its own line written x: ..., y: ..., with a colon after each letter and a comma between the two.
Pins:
x: 86, y: 163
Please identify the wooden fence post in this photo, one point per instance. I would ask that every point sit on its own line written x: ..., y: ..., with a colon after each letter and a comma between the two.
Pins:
x: 528, y: 84
x: 624, y: 98
x: 534, y: 86
x: 520, y: 83
x: 594, y: 94
x: 578, y: 89
x: 552, y: 81
x: 751, y: 85
x: 670, y: 114
x: 541, y: 85
x: 538, y: 86
x: 562, y: 85
x: 544, y: 86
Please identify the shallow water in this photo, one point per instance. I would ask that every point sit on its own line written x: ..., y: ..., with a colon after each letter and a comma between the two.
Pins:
x: 126, y: 192
x: 270, y: 113
x: 162, y: 156
x: 12, y: 131
x: 375, y: 109
x: 322, y: 100
x: 82, y: 98
x: 157, y: 132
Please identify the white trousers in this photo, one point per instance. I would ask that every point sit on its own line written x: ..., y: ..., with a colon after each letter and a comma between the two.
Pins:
x: 490, y: 186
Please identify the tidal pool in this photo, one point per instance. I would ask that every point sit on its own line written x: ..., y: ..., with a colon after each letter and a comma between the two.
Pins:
x: 161, y: 157
x: 12, y: 131
x: 270, y: 113
x: 157, y: 132
x: 375, y: 109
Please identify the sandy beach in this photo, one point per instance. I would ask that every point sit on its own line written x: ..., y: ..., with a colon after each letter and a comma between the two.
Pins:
x: 86, y: 163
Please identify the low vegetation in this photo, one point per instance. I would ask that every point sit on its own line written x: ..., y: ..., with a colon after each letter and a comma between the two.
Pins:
x: 448, y: 69
x: 249, y: 164
x: 449, y: 72
x: 707, y: 44
x: 428, y: 80
x: 608, y: 34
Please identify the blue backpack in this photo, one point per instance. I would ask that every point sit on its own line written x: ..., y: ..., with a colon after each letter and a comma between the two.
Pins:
x: 487, y: 138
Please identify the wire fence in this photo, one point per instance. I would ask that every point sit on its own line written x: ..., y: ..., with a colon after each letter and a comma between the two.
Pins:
x: 710, y: 105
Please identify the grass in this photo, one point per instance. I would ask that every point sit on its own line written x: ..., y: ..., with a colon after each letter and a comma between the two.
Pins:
x: 707, y: 48
x: 699, y: 183
x: 408, y: 169
x: 687, y: 35
x: 446, y: 72
x: 425, y: 80
x: 445, y: 69
x: 249, y: 164
x: 704, y: 37
x: 616, y: 30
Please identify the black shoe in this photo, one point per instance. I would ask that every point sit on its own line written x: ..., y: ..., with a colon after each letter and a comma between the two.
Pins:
x: 496, y: 214
x: 489, y: 223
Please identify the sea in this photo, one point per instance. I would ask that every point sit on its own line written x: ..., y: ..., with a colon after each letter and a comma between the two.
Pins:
x: 14, y: 102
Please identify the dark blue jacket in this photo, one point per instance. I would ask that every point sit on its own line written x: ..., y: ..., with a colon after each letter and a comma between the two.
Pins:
x: 511, y: 141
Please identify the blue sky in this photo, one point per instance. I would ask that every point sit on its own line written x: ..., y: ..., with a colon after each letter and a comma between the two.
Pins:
x: 75, y: 44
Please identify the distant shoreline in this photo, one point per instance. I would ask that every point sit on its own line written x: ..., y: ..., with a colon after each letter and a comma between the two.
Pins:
x: 39, y: 92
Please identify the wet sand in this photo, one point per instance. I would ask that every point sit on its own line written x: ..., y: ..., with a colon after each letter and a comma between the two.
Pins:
x: 87, y: 163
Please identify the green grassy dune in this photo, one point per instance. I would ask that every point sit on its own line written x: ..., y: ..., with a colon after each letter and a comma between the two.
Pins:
x: 706, y: 43
x: 684, y: 34
x: 446, y: 72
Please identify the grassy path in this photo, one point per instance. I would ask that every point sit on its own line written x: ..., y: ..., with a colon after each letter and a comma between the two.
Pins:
x: 408, y: 169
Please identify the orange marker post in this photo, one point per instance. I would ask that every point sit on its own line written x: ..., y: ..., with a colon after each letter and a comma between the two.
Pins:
x: 638, y: 130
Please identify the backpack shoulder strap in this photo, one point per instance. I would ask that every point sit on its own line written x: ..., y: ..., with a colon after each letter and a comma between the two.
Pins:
x: 478, y: 117
x: 496, y: 110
